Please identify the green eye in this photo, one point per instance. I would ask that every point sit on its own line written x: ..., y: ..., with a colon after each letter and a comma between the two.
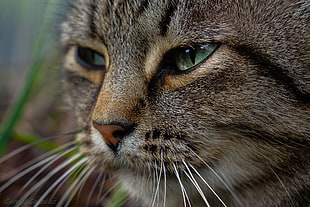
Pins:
x: 186, y: 58
x: 90, y: 59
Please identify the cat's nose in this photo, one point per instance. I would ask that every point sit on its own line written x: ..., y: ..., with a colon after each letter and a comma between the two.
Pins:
x: 111, y: 134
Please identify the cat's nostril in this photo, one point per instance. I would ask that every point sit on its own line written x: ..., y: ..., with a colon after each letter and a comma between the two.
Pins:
x: 111, y: 134
x: 119, y: 134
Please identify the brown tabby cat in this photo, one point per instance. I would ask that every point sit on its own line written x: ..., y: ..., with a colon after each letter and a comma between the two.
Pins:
x: 190, y: 103
x: 194, y: 103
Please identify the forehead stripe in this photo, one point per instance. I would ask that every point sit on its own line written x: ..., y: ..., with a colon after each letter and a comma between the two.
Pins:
x: 165, y: 21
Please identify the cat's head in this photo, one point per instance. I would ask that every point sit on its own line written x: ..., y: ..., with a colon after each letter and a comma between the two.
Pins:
x: 218, y: 89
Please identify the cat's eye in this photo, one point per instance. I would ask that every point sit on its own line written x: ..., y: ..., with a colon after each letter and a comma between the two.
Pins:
x: 187, y: 58
x: 90, y: 59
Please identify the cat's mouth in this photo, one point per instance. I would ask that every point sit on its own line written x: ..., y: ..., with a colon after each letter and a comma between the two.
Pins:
x: 167, y: 161
x: 143, y: 153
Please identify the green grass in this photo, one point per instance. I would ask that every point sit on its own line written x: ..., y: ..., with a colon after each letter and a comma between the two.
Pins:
x: 118, y: 198
x: 15, y: 112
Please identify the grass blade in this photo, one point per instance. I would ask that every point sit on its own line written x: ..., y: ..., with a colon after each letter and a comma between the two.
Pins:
x: 16, y: 111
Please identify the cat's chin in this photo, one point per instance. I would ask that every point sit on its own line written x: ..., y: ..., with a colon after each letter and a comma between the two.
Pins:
x: 166, y: 188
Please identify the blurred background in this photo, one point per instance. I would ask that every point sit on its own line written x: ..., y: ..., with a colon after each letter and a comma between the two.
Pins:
x: 32, y: 107
x: 22, y: 22
x: 30, y: 57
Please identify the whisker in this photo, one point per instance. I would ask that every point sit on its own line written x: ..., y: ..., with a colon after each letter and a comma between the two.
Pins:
x: 82, y: 179
x: 165, y: 186
x: 184, y: 193
x: 165, y: 179
x: 158, y: 183
x: 229, y: 188
x: 93, y: 190
x: 103, y: 177
x: 77, y: 171
x: 217, y: 196
x: 21, y: 174
x: 25, y: 147
x: 49, y: 175
x: 282, y: 184
x: 154, y: 184
x: 193, y: 180
x: 51, y: 160
x: 41, y: 157
x: 108, y: 191
x: 81, y: 186
x: 74, y: 186
x: 65, y: 175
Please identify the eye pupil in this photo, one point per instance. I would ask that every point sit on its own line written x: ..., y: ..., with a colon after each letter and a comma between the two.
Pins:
x: 192, y: 55
x: 90, y: 59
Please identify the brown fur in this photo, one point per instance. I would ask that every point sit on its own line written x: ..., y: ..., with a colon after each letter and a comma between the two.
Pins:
x: 244, y: 111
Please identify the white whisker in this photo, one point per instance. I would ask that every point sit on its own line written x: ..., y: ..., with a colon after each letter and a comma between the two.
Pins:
x: 165, y: 178
x: 49, y: 175
x: 154, y: 183
x: 193, y: 180
x: 21, y: 174
x: 74, y: 186
x: 77, y: 171
x: 184, y: 194
x: 25, y: 147
x: 103, y: 177
x: 282, y: 184
x: 108, y: 191
x: 81, y: 186
x: 51, y: 160
x: 41, y: 157
x: 229, y: 188
x: 217, y: 196
x: 65, y: 175
x: 82, y: 179
x: 160, y: 175
x: 157, y: 185
x: 93, y: 190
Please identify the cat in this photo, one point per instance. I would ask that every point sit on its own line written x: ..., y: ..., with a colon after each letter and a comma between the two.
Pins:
x: 193, y: 103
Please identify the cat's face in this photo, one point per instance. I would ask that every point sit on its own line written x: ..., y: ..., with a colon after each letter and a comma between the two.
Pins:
x: 178, y: 91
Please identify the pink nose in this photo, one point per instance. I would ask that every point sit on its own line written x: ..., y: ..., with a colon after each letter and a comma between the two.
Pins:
x: 111, y: 134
